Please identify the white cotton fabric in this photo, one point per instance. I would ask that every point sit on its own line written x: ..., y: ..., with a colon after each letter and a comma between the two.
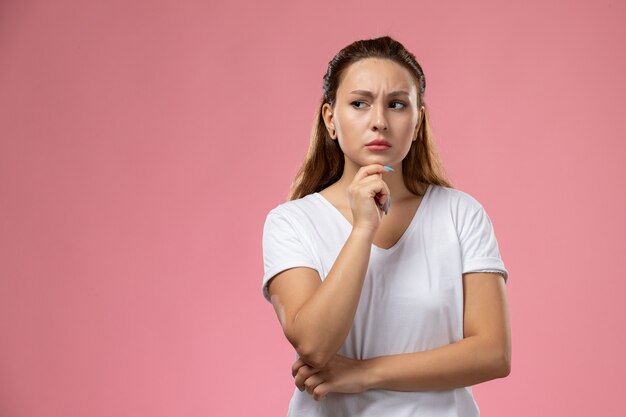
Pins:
x: 412, y: 296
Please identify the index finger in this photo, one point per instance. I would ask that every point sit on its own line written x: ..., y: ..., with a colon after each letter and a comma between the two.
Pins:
x: 369, y: 170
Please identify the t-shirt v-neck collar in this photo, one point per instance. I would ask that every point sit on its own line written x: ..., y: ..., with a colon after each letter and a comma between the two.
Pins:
x: 408, y: 230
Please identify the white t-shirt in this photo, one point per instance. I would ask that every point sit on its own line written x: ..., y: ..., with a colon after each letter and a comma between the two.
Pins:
x: 412, y: 295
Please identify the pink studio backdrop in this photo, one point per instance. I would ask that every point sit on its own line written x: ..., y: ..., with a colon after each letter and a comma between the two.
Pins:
x: 142, y: 144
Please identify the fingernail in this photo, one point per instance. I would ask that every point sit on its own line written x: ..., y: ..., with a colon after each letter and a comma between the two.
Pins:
x: 389, y: 201
x: 387, y: 211
x: 388, y: 168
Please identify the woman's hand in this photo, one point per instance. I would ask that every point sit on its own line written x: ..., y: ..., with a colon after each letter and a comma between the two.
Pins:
x: 369, y: 197
x: 340, y: 374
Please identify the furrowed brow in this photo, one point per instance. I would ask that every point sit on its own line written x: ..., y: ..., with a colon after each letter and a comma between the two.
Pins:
x: 399, y: 93
x: 367, y: 93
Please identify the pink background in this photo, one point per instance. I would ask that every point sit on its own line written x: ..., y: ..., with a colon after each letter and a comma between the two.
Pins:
x: 142, y: 144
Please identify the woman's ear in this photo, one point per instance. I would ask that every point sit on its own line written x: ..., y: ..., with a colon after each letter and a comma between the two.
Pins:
x: 327, y: 115
x: 420, y: 120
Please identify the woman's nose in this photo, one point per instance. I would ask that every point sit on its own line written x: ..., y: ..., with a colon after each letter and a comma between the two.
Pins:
x: 379, y: 121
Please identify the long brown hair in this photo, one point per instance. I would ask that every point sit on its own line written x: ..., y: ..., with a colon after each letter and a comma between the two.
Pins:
x: 324, y: 162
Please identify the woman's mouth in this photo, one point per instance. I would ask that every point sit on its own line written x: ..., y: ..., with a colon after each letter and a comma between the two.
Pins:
x: 377, y: 147
x: 379, y: 144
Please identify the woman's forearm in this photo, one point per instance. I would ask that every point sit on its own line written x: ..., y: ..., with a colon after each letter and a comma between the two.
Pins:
x: 467, y: 362
x: 322, y: 324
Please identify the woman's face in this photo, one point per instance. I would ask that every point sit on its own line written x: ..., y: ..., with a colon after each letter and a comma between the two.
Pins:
x: 376, y: 99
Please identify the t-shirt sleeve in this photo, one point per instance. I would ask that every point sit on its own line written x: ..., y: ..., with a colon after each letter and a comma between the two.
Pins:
x: 283, y: 248
x: 479, y: 246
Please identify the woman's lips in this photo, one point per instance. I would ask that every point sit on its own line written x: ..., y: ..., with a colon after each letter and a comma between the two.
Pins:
x: 379, y: 141
x: 377, y: 147
x: 378, y: 144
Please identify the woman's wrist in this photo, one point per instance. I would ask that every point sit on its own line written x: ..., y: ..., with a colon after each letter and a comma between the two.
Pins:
x: 364, y: 233
x: 371, y: 378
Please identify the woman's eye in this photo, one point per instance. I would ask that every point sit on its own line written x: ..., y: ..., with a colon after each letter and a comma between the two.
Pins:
x: 354, y: 104
x: 402, y: 105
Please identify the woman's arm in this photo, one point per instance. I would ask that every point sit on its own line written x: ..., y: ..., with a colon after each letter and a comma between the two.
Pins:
x: 316, y: 316
x: 483, y: 354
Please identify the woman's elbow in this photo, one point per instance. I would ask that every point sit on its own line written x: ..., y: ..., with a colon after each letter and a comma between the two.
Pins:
x: 312, y: 355
x: 495, y: 361
x: 313, y: 359
x: 309, y: 353
x: 502, y: 364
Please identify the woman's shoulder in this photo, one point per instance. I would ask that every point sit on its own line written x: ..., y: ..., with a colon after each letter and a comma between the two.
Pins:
x: 454, y: 197
x: 295, y: 208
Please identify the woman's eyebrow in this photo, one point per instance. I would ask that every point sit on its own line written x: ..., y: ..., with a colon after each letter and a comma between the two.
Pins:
x: 370, y: 94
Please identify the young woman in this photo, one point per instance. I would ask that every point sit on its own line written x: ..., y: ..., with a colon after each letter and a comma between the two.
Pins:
x: 393, y: 309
